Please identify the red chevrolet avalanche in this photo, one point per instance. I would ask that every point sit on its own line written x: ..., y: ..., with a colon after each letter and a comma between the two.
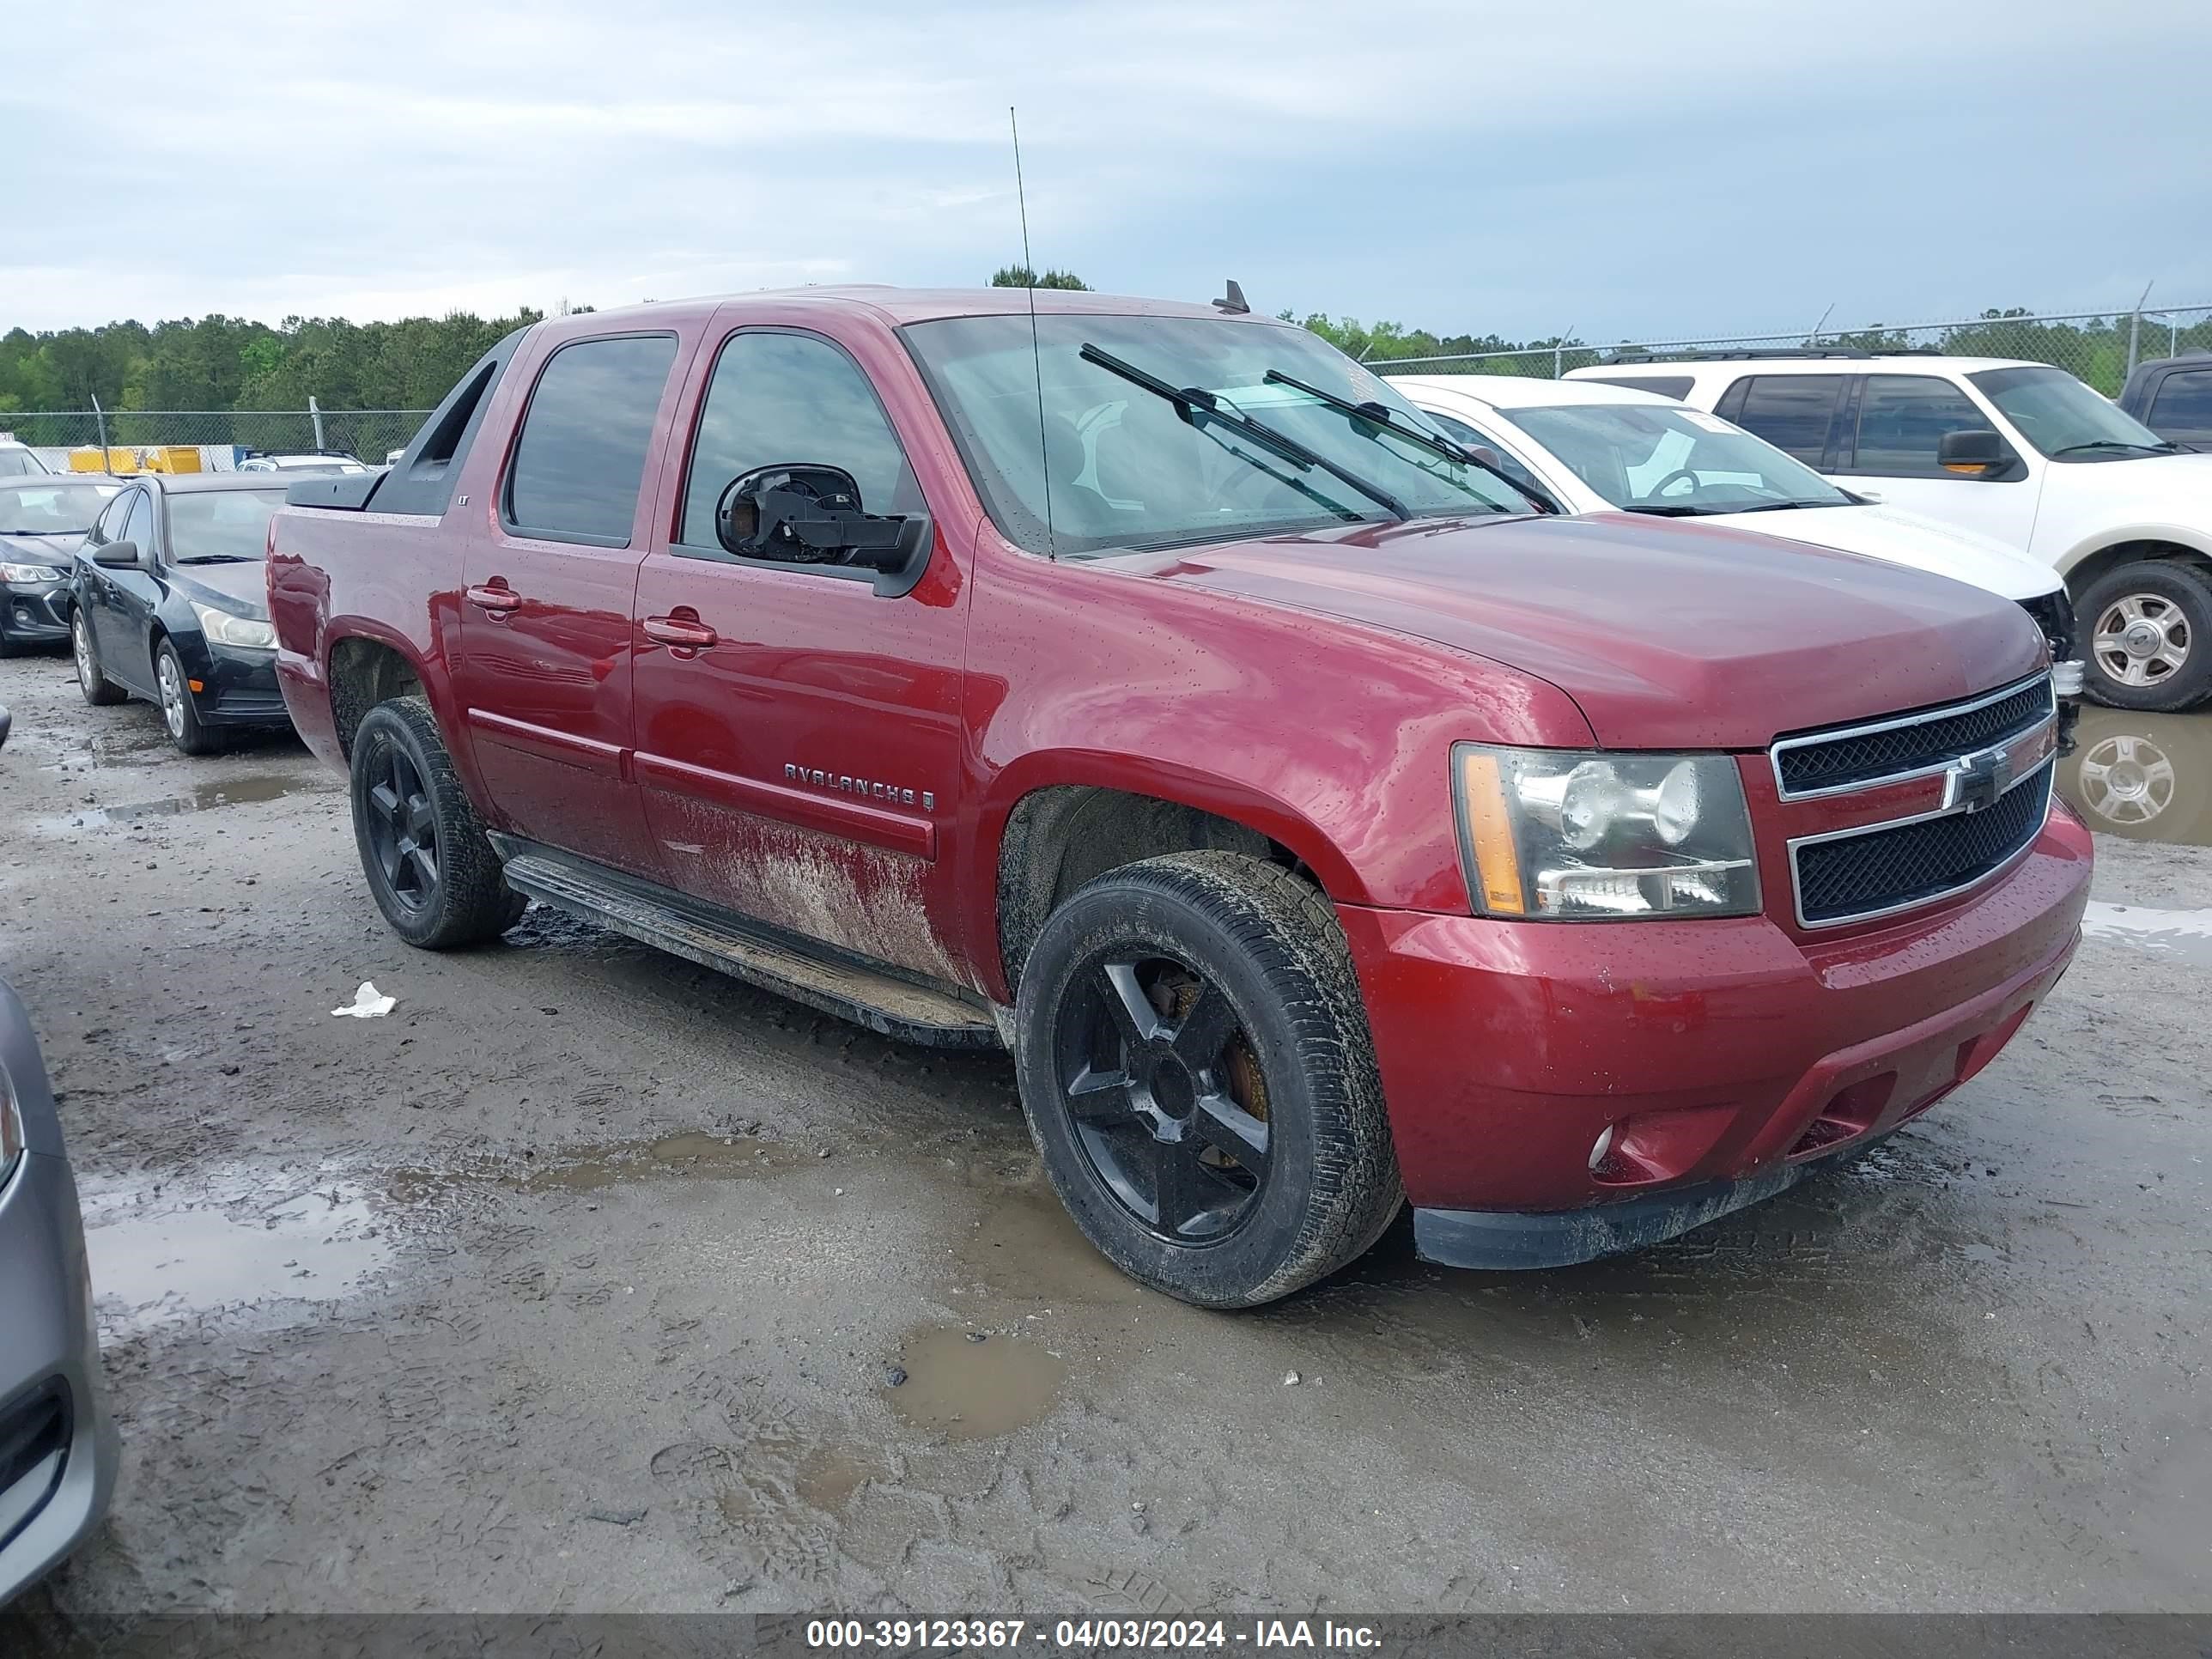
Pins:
x: 1323, y: 822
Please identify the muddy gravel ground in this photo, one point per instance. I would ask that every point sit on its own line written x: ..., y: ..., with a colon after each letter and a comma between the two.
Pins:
x: 591, y: 1280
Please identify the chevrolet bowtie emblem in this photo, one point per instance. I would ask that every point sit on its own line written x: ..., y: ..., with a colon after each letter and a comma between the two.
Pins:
x: 1978, y: 780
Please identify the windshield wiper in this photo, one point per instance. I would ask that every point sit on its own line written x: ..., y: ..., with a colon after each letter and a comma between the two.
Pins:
x: 1782, y: 506
x: 1195, y: 402
x: 218, y: 558
x: 2117, y: 443
x: 1379, y: 414
x: 1671, y: 509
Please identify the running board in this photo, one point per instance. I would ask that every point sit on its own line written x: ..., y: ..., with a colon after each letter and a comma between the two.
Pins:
x: 875, y: 998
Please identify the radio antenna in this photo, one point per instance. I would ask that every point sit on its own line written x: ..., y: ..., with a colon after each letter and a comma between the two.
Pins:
x: 1036, y: 353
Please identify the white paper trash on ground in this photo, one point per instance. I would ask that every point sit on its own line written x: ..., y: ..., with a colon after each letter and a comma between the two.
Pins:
x: 368, y: 1003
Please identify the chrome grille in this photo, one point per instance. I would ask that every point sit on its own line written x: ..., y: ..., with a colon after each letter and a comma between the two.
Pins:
x: 1993, y: 756
x: 1907, y: 864
x: 1908, y: 745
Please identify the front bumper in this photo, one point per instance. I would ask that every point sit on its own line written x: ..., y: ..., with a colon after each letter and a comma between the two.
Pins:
x: 63, y: 1477
x: 34, y: 611
x: 237, y: 688
x: 1723, y: 1056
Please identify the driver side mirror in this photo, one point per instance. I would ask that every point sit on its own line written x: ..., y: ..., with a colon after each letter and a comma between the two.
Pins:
x: 1978, y: 453
x: 800, y: 513
x: 118, y: 555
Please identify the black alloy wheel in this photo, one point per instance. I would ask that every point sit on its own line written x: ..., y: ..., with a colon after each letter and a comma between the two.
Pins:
x: 403, y: 826
x: 1167, y: 1096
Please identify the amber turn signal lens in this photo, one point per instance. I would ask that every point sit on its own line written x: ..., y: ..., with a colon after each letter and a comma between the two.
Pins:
x: 1497, y: 865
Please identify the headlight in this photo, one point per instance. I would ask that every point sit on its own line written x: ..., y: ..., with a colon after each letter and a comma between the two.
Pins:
x: 29, y: 573
x: 11, y: 1127
x: 1568, y: 836
x: 223, y: 627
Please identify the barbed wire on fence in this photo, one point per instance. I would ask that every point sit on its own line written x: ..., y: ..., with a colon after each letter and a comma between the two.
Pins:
x: 2102, y: 347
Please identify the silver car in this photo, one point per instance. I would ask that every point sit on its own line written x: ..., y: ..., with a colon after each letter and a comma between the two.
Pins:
x: 57, y: 1445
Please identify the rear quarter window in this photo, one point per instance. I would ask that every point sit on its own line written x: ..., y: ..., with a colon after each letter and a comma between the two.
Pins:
x: 1793, y: 412
x: 581, y: 457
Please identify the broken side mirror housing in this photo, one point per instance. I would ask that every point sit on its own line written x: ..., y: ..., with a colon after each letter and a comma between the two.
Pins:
x: 801, y: 512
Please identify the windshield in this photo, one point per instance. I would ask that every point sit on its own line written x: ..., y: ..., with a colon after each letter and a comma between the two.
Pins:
x: 2065, y: 418
x: 58, y: 509
x: 1640, y: 456
x: 221, y: 526
x: 19, y: 464
x: 1126, y: 469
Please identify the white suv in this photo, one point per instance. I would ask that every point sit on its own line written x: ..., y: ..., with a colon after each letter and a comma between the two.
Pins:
x: 2018, y: 450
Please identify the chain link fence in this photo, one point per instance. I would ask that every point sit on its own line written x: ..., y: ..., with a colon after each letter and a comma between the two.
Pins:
x: 2098, y: 347
x: 224, y: 437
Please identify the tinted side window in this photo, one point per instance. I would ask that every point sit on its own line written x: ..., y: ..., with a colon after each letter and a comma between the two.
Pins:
x: 2182, y: 405
x: 1665, y: 386
x: 1468, y: 434
x: 1902, y: 417
x: 779, y: 397
x: 139, y: 525
x: 1791, y: 411
x: 108, y: 527
x: 581, y: 455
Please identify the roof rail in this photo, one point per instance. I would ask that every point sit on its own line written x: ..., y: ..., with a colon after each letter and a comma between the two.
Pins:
x: 1785, y: 352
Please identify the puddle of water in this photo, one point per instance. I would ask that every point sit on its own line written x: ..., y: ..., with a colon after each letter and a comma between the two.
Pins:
x: 153, y: 1262
x: 968, y: 1390
x: 694, y: 1155
x: 2147, y: 777
x: 235, y: 792
x: 829, y: 1477
x: 2174, y: 935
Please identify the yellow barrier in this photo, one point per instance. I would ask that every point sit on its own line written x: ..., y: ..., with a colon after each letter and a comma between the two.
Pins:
x: 141, y: 458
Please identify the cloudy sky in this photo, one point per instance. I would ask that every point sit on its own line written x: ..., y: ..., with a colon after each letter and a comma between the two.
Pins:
x: 1618, y: 167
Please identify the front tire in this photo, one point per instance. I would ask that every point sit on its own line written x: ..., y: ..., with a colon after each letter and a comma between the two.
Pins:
x: 179, y: 713
x: 2150, y: 632
x: 429, y: 864
x: 1195, y: 1065
x: 99, y: 691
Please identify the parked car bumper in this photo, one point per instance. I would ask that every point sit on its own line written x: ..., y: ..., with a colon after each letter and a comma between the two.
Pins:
x: 232, y: 687
x: 1720, y: 1059
x: 57, y: 1445
x: 35, y: 612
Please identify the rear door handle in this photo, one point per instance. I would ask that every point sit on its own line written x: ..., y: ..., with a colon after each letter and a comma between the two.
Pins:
x: 680, y: 630
x: 494, y: 595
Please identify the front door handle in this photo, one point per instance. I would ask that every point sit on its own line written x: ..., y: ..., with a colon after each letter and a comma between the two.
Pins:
x: 494, y: 595
x: 685, y: 629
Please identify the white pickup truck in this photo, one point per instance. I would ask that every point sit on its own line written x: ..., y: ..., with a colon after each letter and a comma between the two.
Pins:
x: 2020, y: 451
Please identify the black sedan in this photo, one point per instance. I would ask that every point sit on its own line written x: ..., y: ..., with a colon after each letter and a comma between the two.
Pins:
x: 42, y: 519
x: 167, y: 603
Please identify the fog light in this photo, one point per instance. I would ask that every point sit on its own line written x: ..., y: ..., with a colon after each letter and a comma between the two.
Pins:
x: 1599, y: 1148
x: 2066, y: 678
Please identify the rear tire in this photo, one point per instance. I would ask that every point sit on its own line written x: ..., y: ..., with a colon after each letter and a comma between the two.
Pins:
x: 429, y: 864
x: 1195, y: 1065
x: 99, y: 691
x: 2147, y: 628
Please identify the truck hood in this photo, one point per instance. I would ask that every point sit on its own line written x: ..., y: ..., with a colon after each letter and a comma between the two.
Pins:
x: 1897, y: 537
x: 1668, y: 634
